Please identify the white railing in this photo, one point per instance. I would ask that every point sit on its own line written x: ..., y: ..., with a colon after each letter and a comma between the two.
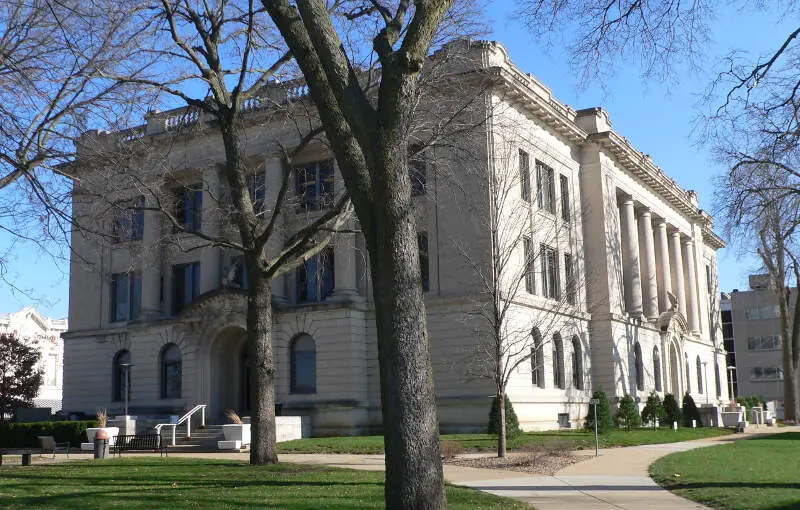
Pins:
x: 187, y: 419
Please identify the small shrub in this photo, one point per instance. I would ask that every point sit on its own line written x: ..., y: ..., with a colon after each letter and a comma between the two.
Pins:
x: 628, y: 413
x: 512, y: 423
x: 604, y: 420
x: 672, y: 411
x: 450, y: 449
x: 690, y: 412
x: 653, y: 409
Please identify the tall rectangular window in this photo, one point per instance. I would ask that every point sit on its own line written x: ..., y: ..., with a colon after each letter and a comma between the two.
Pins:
x: 189, y: 207
x: 256, y: 186
x: 565, y: 205
x: 569, y: 276
x: 527, y: 249
x: 550, y: 284
x: 424, y: 261
x: 546, y: 187
x: 418, y: 170
x: 525, y: 175
x: 51, y: 370
x: 128, y: 220
x: 126, y: 296
x: 185, y: 285
x: 314, y: 186
x: 708, y: 279
x: 315, y: 278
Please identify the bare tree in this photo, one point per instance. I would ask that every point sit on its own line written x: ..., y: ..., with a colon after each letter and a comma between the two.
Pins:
x: 222, y: 60
x: 52, y: 88
x: 368, y: 130
x: 758, y: 195
x: 531, y: 232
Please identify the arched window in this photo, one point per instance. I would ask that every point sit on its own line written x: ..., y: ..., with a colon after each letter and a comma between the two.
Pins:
x: 558, y: 362
x: 638, y: 366
x: 699, y: 375
x: 717, y: 380
x: 121, y: 376
x: 657, y: 368
x: 303, y: 361
x: 537, y: 359
x: 688, y: 378
x: 577, y: 364
x: 170, y: 371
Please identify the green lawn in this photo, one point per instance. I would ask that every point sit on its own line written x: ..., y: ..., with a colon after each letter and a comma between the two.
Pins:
x: 577, y: 439
x: 757, y: 473
x: 151, y: 482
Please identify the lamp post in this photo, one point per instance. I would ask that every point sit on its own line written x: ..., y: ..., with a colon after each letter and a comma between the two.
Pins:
x: 127, y: 379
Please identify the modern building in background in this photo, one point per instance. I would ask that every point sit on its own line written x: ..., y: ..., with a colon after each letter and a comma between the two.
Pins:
x: 45, y: 334
x: 614, y: 267
x: 726, y: 322
x: 758, y: 341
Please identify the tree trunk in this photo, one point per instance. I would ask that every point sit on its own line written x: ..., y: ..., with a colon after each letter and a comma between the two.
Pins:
x: 789, y: 385
x: 262, y: 367
x: 259, y: 302
x: 501, y: 434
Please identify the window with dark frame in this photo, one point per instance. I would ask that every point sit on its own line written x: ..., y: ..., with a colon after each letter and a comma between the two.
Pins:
x: 256, y: 186
x: 577, y: 364
x: 657, y: 368
x: 708, y: 279
x: 537, y: 360
x: 121, y: 376
x: 700, y: 387
x: 171, y: 372
x: 550, y: 283
x: 525, y: 175
x: 128, y: 220
x: 189, y: 207
x: 314, y: 185
x: 303, y: 365
x: 545, y: 183
x: 569, y: 276
x: 185, y: 285
x: 530, y: 279
x: 565, y: 205
x: 558, y: 362
x: 418, y: 170
x: 638, y: 366
x: 424, y: 260
x: 126, y: 296
x: 315, y: 278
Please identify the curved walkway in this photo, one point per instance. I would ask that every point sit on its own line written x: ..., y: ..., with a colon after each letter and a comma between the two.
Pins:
x: 618, y: 478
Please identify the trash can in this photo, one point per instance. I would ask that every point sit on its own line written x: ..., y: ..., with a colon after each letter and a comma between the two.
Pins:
x: 101, y: 440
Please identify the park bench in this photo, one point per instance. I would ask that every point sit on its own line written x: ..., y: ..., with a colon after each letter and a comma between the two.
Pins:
x: 48, y: 444
x: 139, y: 442
x: 24, y: 452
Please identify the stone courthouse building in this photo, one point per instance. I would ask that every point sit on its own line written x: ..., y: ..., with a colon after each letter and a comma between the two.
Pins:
x: 622, y: 294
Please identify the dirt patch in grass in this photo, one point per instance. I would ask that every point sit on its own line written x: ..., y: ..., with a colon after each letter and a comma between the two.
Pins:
x: 534, y: 459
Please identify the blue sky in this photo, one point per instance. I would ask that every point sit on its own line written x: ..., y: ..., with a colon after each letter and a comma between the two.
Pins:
x: 658, y: 118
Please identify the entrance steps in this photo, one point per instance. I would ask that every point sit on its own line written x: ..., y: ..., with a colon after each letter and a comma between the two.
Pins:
x: 203, y: 440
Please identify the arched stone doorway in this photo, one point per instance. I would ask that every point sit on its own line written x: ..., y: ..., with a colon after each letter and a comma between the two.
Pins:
x: 674, y: 370
x: 229, y: 374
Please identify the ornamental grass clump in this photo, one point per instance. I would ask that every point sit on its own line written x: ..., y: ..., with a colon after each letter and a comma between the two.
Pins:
x: 101, y: 415
x: 233, y: 417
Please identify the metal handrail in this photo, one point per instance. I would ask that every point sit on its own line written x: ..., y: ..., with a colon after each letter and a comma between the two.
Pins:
x: 186, y: 418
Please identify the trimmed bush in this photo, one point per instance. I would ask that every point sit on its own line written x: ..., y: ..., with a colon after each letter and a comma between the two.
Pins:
x: 672, y: 411
x: 653, y: 409
x: 690, y: 412
x: 20, y: 435
x: 512, y: 423
x: 628, y: 413
x: 604, y: 420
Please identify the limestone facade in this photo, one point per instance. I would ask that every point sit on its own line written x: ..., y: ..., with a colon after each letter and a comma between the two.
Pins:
x: 607, y: 261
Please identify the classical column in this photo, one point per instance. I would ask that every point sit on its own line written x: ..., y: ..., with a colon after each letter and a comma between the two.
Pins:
x: 344, y: 263
x: 662, y: 246
x: 649, y: 279
x: 691, y: 275
x: 677, y: 259
x: 630, y: 270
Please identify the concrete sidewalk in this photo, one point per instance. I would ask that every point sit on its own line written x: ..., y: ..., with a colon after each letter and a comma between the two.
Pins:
x: 618, y: 478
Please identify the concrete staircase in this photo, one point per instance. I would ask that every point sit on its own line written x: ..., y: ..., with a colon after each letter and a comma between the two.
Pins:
x: 202, y: 440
